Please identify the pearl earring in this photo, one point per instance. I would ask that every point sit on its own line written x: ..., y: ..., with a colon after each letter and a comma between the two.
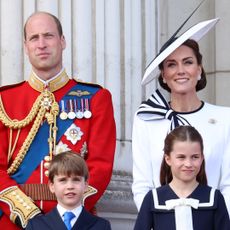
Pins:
x: 199, y: 77
x: 164, y: 80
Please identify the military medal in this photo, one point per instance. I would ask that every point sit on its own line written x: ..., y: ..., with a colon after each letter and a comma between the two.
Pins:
x: 78, y: 112
x: 84, y: 150
x: 63, y: 114
x: 71, y: 113
x: 87, y: 112
x: 61, y: 147
x: 73, y: 134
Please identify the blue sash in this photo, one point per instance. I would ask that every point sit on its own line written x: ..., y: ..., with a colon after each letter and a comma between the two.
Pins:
x: 39, y: 147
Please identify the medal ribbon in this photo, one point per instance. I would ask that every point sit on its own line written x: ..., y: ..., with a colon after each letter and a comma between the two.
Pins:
x: 38, y: 150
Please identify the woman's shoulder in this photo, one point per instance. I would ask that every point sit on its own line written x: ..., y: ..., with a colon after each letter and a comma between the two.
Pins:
x: 217, y: 112
x: 217, y: 108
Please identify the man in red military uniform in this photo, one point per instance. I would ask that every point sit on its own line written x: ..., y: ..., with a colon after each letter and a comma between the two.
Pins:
x: 48, y: 114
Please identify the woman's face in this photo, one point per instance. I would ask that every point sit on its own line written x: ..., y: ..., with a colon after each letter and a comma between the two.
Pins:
x: 181, y: 71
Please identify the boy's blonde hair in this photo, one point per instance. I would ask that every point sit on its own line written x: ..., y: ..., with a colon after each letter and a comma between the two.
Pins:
x: 68, y: 163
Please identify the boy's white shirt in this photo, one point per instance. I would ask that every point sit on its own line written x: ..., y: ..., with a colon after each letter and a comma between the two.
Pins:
x: 76, y: 211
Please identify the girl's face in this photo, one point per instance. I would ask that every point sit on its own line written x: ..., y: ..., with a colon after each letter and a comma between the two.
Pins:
x: 181, y: 70
x: 185, y: 161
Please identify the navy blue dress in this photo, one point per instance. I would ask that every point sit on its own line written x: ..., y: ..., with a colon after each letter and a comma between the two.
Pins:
x: 211, y: 214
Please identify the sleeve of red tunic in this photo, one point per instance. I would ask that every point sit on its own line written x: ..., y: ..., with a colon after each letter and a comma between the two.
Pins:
x: 13, y: 202
x: 5, y: 180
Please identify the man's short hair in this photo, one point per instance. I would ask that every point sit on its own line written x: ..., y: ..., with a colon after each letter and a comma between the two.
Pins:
x: 56, y: 20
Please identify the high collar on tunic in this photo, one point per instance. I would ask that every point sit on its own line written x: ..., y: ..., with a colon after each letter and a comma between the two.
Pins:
x: 52, y: 84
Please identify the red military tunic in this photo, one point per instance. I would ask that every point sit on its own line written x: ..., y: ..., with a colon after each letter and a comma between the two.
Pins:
x: 97, y: 139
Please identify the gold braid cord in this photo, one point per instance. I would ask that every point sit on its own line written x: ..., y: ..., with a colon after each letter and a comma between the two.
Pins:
x: 45, y: 106
x: 23, y: 150
x: 15, y: 124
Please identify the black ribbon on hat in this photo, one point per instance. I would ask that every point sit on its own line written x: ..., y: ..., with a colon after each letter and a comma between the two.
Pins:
x: 174, y: 36
x: 157, y: 108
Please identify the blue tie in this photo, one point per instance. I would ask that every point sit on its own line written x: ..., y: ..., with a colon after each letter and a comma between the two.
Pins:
x: 68, y: 216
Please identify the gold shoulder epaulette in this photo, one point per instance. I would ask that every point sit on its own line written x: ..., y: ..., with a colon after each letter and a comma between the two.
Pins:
x: 90, y: 191
x: 2, y: 88
x: 86, y: 83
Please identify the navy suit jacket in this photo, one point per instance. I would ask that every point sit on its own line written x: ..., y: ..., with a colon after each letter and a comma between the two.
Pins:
x: 53, y: 220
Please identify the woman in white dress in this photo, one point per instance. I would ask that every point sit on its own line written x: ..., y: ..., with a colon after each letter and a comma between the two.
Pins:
x: 181, y: 74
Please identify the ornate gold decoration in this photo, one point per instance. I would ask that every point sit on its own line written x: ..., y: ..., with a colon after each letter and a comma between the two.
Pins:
x: 84, y: 150
x: 73, y: 134
x: 53, y: 85
x: 79, y: 93
x: 45, y: 106
x: 89, y: 192
x: 20, y: 205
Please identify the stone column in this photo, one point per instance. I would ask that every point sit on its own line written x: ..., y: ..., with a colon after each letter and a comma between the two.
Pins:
x: 110, y: 42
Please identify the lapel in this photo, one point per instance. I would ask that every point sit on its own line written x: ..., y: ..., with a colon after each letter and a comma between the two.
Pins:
x: 85, y: 221
x: 54, y: 221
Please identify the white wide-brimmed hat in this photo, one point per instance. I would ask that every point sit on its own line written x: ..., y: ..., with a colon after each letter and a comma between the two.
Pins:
x: 196, y: 32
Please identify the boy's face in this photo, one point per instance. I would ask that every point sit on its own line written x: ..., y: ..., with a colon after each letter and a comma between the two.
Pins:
x: 68, y: 190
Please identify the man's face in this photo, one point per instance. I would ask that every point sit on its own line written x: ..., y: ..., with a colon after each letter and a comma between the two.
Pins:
x: 44, y: 45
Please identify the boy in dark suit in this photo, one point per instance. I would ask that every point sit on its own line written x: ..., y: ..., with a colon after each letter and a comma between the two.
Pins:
x: 68, y: 176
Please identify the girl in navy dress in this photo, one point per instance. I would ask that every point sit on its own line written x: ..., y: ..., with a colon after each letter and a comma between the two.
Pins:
x: 184, y: 201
